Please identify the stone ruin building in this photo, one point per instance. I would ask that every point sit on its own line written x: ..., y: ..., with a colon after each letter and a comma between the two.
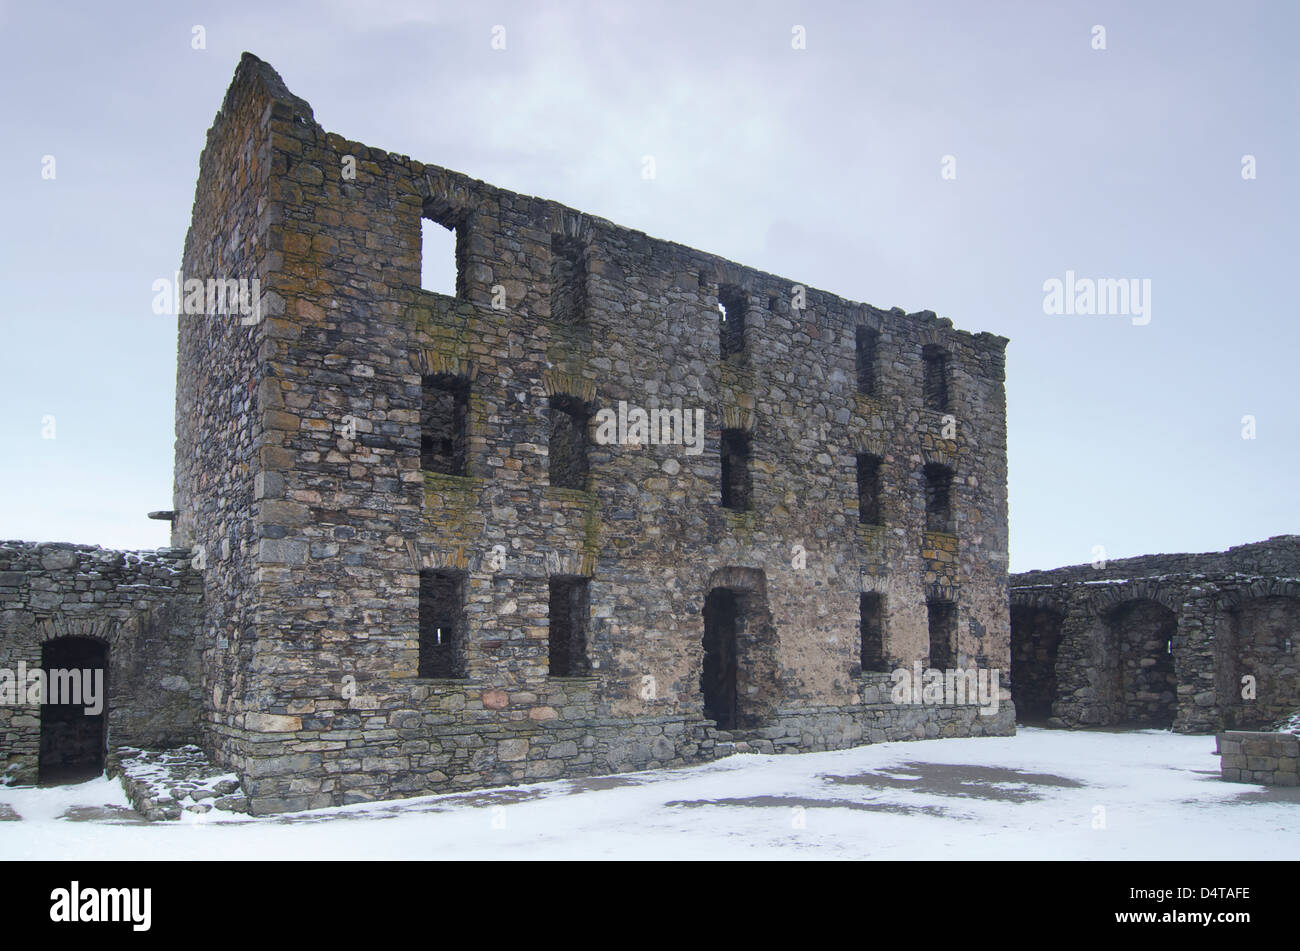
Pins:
x: 403, y: 561
x: 1161, y: 640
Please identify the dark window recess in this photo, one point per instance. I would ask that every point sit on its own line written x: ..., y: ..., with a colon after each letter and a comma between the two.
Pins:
x: 444, y: 424
x: 731, y: 303
x: 872, y: 630
x: 440, y: 256
x: 568, y: 619
x: 942, y: 616
x: 442, y: 624
x: 869, y: 490
x: 866, y: 347
x: 568, y: 447
x: 568, y: 280
x: 936, y: 378
x: 938, y: 498
x: 736, y: 486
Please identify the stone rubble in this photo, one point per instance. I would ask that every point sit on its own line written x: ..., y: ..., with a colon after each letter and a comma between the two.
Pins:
x: 161, y: 784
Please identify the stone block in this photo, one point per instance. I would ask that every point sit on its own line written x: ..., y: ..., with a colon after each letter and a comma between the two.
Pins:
x: 512, y: 751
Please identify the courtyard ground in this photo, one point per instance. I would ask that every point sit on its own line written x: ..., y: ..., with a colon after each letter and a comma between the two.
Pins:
x: 1043, y: 794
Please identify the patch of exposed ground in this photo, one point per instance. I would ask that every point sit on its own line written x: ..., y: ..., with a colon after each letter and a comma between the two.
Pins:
x: 960, y: 780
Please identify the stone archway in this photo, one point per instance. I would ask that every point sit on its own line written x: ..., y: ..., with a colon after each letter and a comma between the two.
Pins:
x: 1266, y: 641
x: 1144, y: 682
x: 74, y: 711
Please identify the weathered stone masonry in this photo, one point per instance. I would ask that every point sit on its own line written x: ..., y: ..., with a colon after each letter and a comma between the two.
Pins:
x: 141, y: 608
x: 375, y: 479
x: 1163, y: 640
x: 1270, y: 759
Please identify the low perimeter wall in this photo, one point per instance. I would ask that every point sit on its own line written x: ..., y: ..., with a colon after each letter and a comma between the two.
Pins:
x: 1269, y: 758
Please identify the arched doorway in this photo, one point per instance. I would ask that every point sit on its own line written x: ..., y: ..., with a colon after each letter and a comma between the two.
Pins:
x: 74, y: 711
x: 1146, y: 687
x: 1266, y: 634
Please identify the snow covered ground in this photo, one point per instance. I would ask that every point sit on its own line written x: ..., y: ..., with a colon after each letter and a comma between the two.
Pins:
x: 1042, y: 794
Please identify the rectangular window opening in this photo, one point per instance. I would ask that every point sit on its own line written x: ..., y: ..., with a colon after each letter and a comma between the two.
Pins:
x: 869, y: 490
x: 568, y: 447
x: 936, y: 378
x: 444, y: 424
x: 737, y: 488
x: 942, y: 617
x: 569, y: 613
x: 732, y: 307
x: 866, y: 347
x: 873, y: 632
x: 938, y: 499
x: 440, y: 257
x: 568, y: 280
x: 442, y: 624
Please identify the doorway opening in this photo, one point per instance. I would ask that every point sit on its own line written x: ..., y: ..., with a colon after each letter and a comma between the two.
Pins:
x: 739, y: 680
x: 74, y: 710
x: 718, y: 681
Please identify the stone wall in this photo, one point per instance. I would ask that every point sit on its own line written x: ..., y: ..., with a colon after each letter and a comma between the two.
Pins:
x: 1199, y: 642
x: 1276, y: 557
x: 299, y: 476
x: 224, y: 466
x: 875, y: 719
x: 1269, y: 758
x: 144, y: 606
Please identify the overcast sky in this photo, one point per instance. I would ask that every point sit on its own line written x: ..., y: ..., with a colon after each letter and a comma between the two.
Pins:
x: 823, y: 164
